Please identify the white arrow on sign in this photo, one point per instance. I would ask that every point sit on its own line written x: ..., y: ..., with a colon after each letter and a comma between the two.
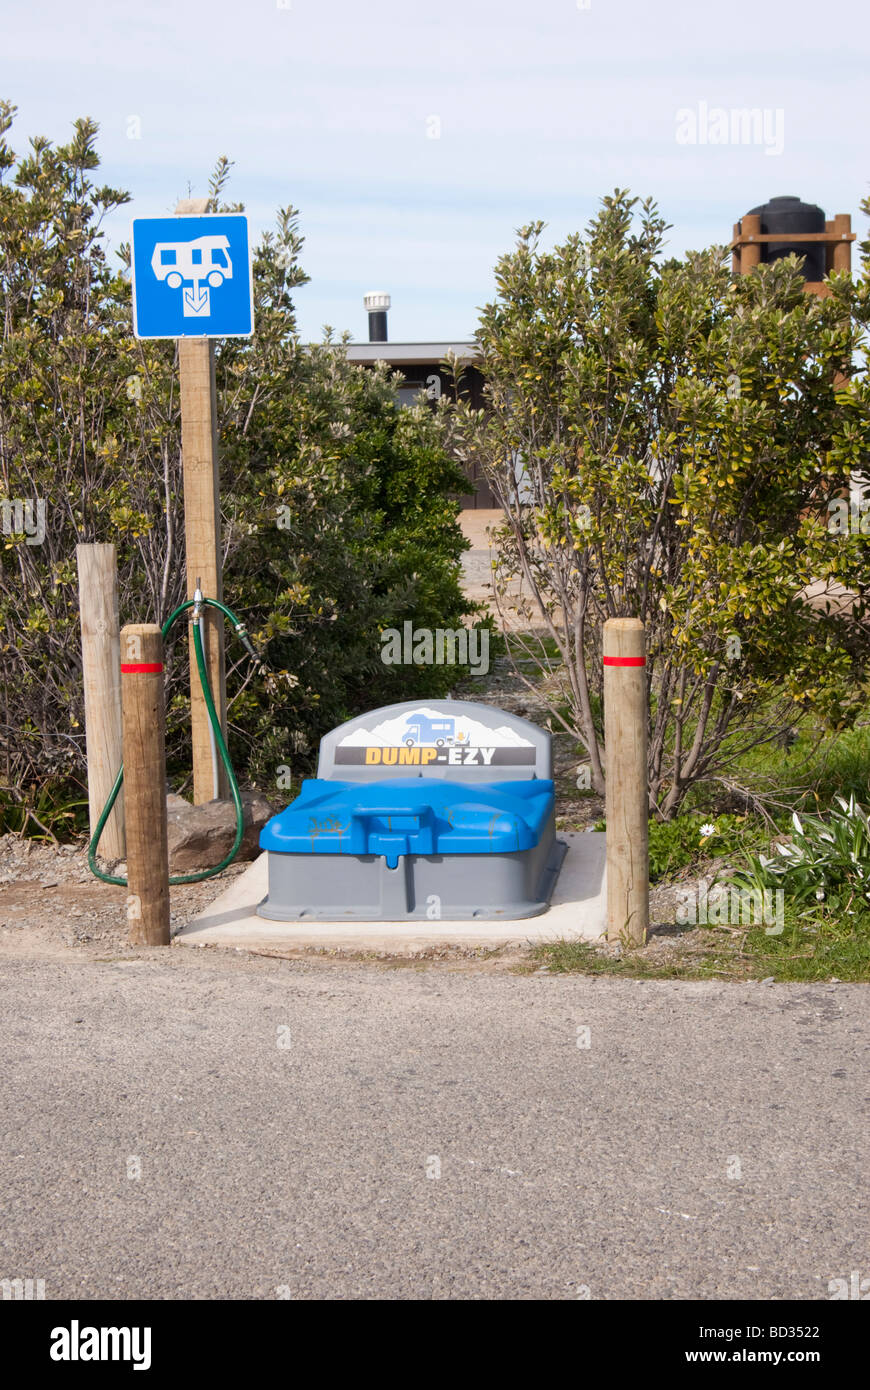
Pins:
x: 196, y: 302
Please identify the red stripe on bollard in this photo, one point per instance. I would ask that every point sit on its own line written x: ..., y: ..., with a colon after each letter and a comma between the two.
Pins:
x: 614, y: 661
x: 141, y: 667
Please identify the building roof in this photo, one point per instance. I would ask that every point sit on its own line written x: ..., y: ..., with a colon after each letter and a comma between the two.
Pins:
x: 410, y: 354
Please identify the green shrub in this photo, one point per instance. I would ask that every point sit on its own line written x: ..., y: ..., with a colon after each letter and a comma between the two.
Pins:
x: 677, y: 844
x: 42, y: 813
x: 678, y: 432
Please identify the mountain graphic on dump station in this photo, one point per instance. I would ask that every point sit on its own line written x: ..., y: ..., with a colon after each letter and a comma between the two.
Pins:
x: 468, y: 732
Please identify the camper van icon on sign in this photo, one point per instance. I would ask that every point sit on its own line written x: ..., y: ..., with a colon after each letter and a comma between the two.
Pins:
x: 205, y: 262
x: 192, y: 277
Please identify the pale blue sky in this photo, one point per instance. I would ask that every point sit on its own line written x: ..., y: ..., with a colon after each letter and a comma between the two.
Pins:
x: 543, y: 107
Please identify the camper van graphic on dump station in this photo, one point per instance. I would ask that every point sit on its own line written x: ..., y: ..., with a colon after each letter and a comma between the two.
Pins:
x: 192, y: 276
x: 423, y: 729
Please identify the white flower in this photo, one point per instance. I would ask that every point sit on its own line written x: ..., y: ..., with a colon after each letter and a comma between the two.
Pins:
x: 707, y: 830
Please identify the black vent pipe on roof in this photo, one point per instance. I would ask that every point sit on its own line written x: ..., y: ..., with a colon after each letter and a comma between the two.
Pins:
x: 377, y: 303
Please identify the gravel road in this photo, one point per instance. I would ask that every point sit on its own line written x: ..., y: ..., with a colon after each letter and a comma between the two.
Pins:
x: 184, y: 1124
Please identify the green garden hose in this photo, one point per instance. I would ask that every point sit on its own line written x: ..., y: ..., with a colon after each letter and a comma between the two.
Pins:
x: 197, y: 603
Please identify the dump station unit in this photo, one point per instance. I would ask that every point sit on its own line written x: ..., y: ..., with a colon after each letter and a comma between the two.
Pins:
x: 441, y: 811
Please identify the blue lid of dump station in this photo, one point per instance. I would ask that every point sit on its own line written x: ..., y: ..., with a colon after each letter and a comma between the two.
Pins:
x: 411, y: 815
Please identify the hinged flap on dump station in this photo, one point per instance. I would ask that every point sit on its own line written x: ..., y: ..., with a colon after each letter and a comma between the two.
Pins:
x: 454, y: 739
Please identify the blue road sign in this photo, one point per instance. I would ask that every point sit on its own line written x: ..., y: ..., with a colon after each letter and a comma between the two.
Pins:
x: 192, y: 277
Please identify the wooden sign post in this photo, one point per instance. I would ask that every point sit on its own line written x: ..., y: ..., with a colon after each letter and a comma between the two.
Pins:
x: 627, y: 798
x: 192, y: 280
x: 145, y: 784
x: 202, y: 542
x: 202, y: 531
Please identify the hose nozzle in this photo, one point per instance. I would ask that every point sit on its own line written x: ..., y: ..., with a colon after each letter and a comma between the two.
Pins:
x: 242, y: 634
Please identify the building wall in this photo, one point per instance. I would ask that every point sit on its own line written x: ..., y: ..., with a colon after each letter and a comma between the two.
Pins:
x: 419, y: 377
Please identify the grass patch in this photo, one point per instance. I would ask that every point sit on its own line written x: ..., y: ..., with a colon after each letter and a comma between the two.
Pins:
x: 818, y: 766
x: 833, y: 944
x: 693, y: 962
x: 822, y: 947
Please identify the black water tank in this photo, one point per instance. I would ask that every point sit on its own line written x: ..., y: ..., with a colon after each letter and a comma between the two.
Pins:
x: 789, y: 214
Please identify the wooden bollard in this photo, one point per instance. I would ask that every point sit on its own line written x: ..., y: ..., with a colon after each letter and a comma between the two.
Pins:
x: 98, y: 607
x: 627, y: 797
x: 145, y: 784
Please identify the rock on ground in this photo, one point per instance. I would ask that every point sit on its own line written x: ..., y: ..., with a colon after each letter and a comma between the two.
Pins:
x: 200, y: 836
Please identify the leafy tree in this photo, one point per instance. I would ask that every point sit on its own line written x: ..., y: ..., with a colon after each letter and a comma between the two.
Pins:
x: 337, y: 512
x: 663, y: 439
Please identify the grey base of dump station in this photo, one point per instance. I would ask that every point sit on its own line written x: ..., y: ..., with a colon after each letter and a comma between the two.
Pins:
x: 458, y: 888
x: 577, y: 912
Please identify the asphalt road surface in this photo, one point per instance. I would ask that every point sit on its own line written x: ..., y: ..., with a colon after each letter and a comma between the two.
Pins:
x: 197, y: 1125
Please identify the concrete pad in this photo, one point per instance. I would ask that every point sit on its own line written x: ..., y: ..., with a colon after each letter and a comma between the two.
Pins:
x: 577, y: 912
